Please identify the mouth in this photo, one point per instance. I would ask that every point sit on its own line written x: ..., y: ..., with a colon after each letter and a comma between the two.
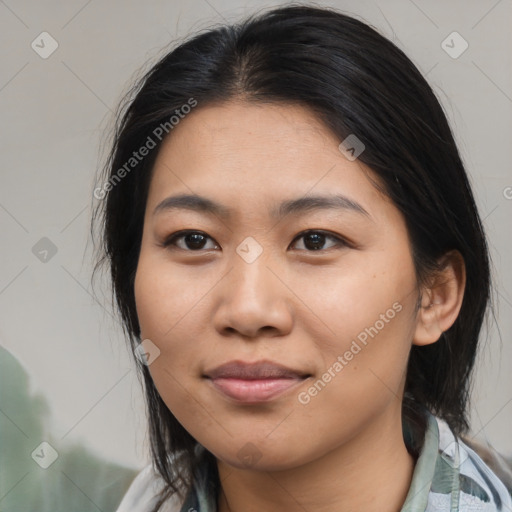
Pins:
x: 254, y: 382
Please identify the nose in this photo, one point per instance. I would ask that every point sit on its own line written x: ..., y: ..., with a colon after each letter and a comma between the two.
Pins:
x: 253, y: 300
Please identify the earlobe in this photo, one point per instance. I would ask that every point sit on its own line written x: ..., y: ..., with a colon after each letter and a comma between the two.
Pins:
x: 442, y: 300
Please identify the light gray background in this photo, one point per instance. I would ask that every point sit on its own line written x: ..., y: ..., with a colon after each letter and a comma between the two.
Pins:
x: 54, y: 112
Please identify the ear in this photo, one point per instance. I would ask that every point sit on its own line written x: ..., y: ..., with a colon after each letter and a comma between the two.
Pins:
x: 441, y: 300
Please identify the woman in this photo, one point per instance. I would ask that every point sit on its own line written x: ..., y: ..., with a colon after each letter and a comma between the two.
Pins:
x: 302, y: 274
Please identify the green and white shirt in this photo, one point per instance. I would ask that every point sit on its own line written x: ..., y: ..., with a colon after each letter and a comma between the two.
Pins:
x: 449, y: 476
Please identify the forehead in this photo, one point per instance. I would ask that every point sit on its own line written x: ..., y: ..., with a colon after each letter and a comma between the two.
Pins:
x: 268, y: 130
x: 256, y: 155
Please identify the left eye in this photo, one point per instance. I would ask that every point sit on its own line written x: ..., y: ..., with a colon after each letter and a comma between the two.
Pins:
x: 314, y: 240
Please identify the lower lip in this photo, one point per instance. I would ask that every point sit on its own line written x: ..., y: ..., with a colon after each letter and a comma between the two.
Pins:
x: 253, y: 391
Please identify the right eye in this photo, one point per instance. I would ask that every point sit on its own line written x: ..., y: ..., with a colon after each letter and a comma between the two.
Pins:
x: 192, y: 241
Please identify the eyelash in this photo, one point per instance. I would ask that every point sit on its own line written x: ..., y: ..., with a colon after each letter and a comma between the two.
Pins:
x: 340, y: 242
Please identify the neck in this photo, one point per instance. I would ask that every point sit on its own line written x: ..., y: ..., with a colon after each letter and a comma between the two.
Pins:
x: 371, y: 472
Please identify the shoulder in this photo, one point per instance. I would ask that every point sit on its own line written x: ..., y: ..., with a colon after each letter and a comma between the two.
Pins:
x: 477, y: 480
x: 143, y: 492
x: 499, y: 464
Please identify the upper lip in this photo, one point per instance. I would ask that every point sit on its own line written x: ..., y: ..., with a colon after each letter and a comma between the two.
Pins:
x: 253, y: 371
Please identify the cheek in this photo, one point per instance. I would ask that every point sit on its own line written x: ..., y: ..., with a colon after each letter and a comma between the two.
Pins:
x: 363, y: 364
x: 367, y: 360
x: 358, y: 300
x: 368, y: 318
x: 166, y: 304
x: 165, y: 294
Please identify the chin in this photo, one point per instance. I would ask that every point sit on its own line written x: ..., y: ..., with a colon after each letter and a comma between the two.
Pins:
x: 263, y: 457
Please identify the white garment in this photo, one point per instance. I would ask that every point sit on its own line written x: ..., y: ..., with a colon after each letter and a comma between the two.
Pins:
x: 142, y: 494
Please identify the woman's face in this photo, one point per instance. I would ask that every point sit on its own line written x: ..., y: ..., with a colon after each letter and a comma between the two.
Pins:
x: 302, y: 265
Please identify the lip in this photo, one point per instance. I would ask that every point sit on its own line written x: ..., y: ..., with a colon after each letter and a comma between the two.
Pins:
x: 256, y: 382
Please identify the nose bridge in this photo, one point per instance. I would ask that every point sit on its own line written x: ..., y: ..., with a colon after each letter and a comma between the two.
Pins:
x: 252, y: 297
x: 251, y: 277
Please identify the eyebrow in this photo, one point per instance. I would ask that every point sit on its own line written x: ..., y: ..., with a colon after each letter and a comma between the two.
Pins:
x: 300, y: 205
